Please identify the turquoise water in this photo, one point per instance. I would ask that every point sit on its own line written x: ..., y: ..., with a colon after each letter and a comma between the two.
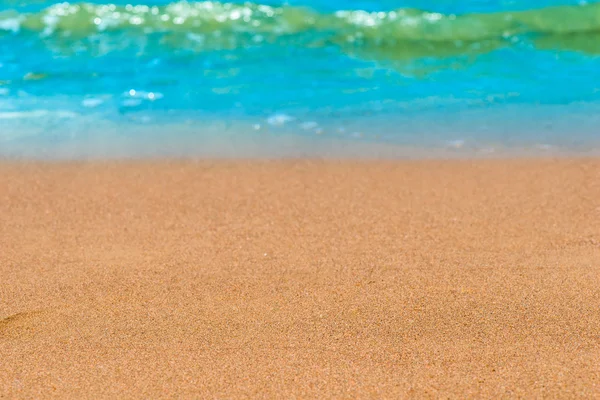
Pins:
x: 298, y: 78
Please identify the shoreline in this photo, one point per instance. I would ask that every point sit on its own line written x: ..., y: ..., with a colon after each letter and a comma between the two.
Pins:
x: 476, y: 134
x: 310, y: 278
x: 348, y: 152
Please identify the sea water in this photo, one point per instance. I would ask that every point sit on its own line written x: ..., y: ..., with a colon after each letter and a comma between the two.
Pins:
x: 301, y: 77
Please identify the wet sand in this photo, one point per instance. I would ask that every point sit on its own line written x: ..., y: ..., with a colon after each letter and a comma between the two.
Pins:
x: 300, y: 279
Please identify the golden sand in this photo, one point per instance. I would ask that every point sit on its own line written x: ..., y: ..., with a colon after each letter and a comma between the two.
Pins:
x: 300, y: 279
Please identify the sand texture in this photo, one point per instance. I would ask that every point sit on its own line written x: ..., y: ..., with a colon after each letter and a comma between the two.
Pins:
x: 300, y: 279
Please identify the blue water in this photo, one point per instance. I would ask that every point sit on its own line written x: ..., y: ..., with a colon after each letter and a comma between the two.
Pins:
x: 303, y: 77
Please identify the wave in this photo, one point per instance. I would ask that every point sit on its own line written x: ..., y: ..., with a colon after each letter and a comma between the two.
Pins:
x: 411, y: 32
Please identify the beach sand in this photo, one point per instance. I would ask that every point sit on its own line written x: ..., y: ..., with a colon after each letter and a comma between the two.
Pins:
x: 300, y: 279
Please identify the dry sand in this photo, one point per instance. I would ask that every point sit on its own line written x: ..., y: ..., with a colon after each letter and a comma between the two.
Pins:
x: 300, y: 279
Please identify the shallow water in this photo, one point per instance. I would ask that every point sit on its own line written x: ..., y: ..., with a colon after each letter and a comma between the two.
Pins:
x: 243, y: 79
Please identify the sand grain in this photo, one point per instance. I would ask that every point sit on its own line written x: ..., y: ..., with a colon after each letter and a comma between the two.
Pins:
x: 308, y: 279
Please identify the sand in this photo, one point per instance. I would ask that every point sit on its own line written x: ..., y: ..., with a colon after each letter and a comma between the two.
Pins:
x: 300, y: 279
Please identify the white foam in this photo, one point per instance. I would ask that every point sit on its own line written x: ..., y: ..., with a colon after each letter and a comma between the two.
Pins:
x: 143, y: 95
x: 50, y: 21
x: 11, y: 24
x: 279, y: 119
x: 36, y: 114
x: 132, y: 102
x: 23, y: 114
x: 92, y: 102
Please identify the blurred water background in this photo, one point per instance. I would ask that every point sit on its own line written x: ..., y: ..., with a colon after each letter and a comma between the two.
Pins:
x: 303, y: 77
